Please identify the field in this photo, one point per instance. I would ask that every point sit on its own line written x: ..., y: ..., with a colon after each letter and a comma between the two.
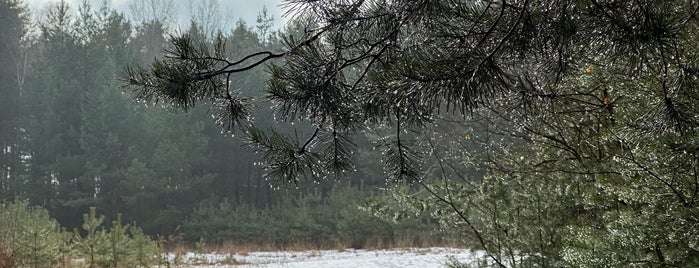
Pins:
x: 406, y: 257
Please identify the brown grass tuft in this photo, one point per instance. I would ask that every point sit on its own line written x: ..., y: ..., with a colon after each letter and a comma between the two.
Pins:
x: 405, y: 241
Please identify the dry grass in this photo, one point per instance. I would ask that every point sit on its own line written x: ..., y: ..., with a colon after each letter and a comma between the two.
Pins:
x: 173, y: 242
x: 242, y: 248
x: 406, y: 241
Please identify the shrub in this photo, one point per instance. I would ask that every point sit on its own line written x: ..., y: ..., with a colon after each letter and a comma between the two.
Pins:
x: 119, y: 246
x: 30, y: 237
x: 308, y: 219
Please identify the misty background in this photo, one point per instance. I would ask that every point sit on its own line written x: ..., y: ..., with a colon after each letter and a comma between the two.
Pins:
x: 229, y: 10
x: 74, y: 140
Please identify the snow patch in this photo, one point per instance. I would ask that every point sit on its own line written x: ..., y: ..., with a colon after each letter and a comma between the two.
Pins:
x: 406, y: 257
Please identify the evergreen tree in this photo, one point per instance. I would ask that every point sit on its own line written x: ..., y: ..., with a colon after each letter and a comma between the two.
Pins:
x: 54, y: 114
x: 13, y: 54
x: 585, y: 112
x: 106, y: 118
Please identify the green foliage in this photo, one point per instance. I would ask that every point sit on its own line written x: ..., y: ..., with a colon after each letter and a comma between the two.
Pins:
x: 547, y: 133
x: 302, y: 219
x: 90, y: 245
x: 144, y: 251
x: 31, y: 236
x: 32, y: 239
x: 72, y: 139
x: 118, y: 246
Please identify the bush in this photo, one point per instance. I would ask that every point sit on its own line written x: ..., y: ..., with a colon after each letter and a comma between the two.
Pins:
x: 119, y: 246
x: 308, y: 219
x: 30, y: 237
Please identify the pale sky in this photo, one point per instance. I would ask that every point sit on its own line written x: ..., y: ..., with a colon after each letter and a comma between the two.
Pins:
x: 231, y: 10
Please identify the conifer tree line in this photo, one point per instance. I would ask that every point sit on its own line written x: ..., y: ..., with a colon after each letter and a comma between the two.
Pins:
x: 73, y: 139
x: 547, y: 133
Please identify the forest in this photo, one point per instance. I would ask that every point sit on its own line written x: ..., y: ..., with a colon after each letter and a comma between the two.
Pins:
x: 542, y: 133
x: 74, y: 139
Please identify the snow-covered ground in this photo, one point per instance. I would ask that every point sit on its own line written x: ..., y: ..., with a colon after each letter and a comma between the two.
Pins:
x: 408, y: 257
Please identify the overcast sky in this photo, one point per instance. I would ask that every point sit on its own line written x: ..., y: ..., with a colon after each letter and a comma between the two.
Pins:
x: 230, y: 9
